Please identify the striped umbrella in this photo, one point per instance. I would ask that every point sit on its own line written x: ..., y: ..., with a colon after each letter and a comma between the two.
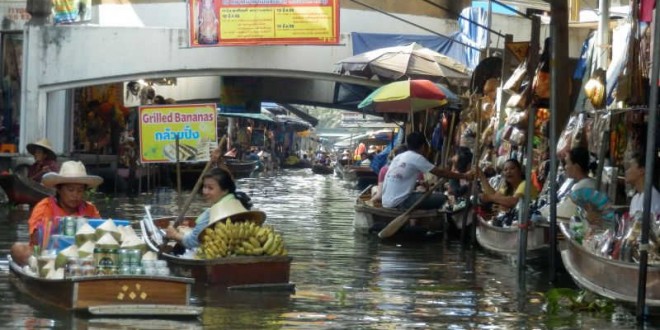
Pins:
x: 404, y: 97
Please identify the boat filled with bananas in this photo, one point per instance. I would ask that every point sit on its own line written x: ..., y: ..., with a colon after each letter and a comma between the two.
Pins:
x: 231, y: 254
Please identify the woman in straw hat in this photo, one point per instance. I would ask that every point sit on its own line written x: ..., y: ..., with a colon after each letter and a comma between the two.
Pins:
x: 44, y: 159
x: 70, y: 184
x: 219, y: 190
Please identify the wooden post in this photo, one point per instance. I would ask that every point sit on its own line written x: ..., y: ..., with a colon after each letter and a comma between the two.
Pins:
x: 559, y: 99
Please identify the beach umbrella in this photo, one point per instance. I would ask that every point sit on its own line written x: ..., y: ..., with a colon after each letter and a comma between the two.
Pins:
x: 406, y: 61
x: 404, y: 97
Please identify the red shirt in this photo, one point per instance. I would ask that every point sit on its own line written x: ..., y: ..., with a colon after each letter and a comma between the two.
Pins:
x: 47, y: 209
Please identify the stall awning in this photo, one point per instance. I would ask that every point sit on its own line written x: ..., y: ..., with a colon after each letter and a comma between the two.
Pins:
x: 254, y: 116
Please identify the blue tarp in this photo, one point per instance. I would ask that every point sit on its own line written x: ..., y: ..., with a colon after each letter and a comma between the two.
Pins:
x: 364, y: 42
x: 475, y: 33
x: 381, y: 158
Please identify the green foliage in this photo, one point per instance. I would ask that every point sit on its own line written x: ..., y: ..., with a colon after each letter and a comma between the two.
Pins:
x: 560, y: 299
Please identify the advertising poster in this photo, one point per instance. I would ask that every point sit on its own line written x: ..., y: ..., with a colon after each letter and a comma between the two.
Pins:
x: 263, y: 22
x: 193, y: 124
x: 72, y: 11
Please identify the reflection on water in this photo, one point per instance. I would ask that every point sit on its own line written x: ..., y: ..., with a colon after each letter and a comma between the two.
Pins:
x: 343, y: 280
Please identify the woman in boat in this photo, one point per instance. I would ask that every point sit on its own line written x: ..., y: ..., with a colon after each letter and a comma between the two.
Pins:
x: 461, y: 164
x: 635, y: 177
x: 219, y: 190
x: 576, y: 167
x: 509, y: 193
x: 45, y: 159
x: 70, y: 184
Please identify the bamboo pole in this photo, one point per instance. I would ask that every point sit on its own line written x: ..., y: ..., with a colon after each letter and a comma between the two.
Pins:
x: 649, y: 167
x: 524, y: 210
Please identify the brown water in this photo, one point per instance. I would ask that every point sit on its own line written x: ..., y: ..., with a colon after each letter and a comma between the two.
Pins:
x: 343, y: 280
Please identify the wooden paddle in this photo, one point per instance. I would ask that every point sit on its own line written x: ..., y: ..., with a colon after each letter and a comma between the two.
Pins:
x: 198, y: 184
x: 399, y: 221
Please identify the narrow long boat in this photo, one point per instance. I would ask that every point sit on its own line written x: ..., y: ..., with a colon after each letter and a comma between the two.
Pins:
x: 230, y: 272
x: 241, y: 168
x: 21, y: 190
x: 504, y: 241
x: 614, y: 279
x: 322, y: 169
x: 372, y: 218
x: 111, y: 294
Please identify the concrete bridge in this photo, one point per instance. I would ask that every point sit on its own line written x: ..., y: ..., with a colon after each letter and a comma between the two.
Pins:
x: 59, y: 58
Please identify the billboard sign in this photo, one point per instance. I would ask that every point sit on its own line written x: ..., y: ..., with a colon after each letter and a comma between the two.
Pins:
x: 193, y: 124
x: 263, y: 22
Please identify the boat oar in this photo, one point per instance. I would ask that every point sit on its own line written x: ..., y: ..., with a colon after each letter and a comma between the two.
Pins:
x: 198, y: 184
x: 399, y: 221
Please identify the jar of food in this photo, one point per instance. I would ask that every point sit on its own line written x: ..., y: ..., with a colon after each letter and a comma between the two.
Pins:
x: 99, y: 254
x: 106, y: 270
x: 69, y: 226
x: 136, y: 270
x: 161, y: 264
x: 163, y: 271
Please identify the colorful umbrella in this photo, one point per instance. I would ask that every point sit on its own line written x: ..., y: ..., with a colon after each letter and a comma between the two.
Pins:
x: 404, y: 97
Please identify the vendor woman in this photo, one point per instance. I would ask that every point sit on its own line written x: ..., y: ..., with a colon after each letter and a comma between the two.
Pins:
x: 635, y: 177
x: 45, y: 159
x: 512, y: 189
x: 219, y: 190
x: 70, y: 184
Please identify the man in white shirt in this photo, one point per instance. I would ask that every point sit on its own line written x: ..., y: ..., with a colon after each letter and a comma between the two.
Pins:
x: 401, y: 177
x: 635, y: 177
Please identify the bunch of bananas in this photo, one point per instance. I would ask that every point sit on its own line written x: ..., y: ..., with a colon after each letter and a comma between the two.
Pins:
x: 243, y: 238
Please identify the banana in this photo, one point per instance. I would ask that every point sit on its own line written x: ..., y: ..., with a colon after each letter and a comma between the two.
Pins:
x: 247, y: 245
x: 269, y: 243
x: 255, y: 242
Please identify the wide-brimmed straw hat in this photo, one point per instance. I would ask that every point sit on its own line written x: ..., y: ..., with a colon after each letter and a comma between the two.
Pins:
x: 43, y: 144
x: 71, y: 172
x: 231, y: 208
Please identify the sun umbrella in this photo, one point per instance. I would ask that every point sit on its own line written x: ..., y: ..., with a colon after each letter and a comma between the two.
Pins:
x: 404, y: 97
x: 407, y: 61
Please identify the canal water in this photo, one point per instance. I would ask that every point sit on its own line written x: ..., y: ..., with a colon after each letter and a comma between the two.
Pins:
x: 342, y: 280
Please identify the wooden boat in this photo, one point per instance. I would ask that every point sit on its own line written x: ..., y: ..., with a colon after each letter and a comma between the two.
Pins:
x: 298, y: 165
x: 241, y: 168
x: 504, y: 241
x: 609, y: 278
x: 372, y: 218
x: 322, y: 169
x: 21, y: 190
x: 111, y: 294
x: 231, y: 272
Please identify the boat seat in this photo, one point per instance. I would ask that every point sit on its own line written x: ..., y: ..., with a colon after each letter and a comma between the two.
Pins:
x: 8, y: 148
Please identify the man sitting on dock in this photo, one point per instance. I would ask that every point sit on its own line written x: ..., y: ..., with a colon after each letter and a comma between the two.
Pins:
x: 401, y: 178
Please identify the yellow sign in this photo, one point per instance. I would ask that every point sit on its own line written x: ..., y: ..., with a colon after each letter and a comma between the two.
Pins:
x: 240, y: 22
x: 193, y: 125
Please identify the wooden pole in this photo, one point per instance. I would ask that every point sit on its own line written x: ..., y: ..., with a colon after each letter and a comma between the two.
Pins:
x: 559, y: 99
x: 178, y: 169
x: 651, y: 154
x: 524, y: 210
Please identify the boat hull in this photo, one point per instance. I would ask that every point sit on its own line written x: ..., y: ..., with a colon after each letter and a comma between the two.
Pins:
x: 609, y: 278
x: 21, y: 190
x: 233, y: 271
x: 369, y: 219
x: 228, y: 271
x: 505, y: 241
x: 81, y: 293
x: 241, y: 169
x: 322, y: 169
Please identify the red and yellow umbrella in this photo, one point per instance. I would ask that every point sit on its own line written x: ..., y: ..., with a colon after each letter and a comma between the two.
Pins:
x: 404, y: 97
